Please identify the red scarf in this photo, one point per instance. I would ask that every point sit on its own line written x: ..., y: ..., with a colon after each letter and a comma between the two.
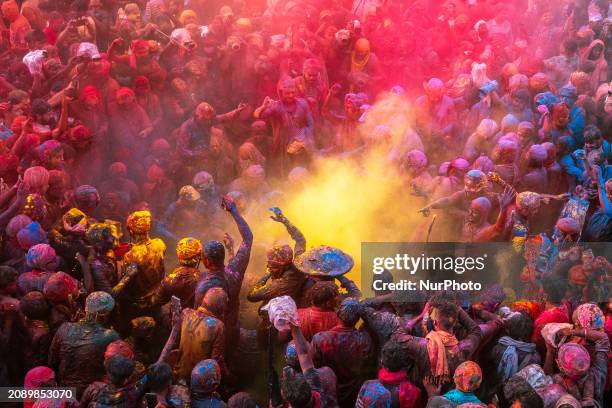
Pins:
x: 409, y: 394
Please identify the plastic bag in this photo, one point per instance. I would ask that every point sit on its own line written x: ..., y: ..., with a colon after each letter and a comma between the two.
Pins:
x: 282, y: 310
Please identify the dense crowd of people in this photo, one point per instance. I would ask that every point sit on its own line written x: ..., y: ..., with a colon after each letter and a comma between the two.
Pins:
x: 135, y: 133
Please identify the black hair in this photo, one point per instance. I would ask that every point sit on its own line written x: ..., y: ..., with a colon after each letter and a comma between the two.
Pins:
x: 591, y: 133
x: 241, y: 400
x: 159, y: 376
x: 323, y: 292
x: 40, y: 107
x: 444, y: 297
x: 214, y: 251
x: 349, y: 312
x: 555, y: 288
x: 295, y: 389
x: 447, y: 314
x: 393, y: 356
x: 34, y: 306
x: 119, y: 368
x: 8, y: 275
x: 519, y: 327
x: 517, y: 388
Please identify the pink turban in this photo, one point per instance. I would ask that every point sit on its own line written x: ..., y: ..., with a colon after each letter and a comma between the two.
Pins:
x: 59, y: 287
x: 37, y: 178
x: 42, y: 257
x: 30, y: 235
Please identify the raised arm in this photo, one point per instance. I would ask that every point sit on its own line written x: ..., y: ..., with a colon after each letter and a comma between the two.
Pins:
x: 294, y: 232
x: 265, y: 109
x: 174, y: 334
x: 301, y: 346
x: 474, y: 336
x: 240, y: 261
x: 18, y: 201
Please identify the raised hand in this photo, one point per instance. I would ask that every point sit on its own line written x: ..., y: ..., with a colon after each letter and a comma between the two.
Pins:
x: 228, y: 204
x: 277, y: 215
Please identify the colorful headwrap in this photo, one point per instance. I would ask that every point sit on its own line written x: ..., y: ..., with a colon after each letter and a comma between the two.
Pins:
x: 140, y: 47
x: 117, y: 170
x: 79, y: 134
x: 42, y: 257
x: 205, y: 377
x: 189, y: 193
x: 468, y: 376
x: 203, y: 180
x: 415, y: 158
x: 30, y: 235
x: 141, y: 83
x: 139, y: 222
x: 487, y: 128
x: 142, y: 325
x: 125, y: 92
x: 529, y: 308
x: 86, y: 196
x: 37, y: 178
x: 580, y: 78
x: 539, y: 83
x: 573, y: 360
x: 188, y: 248
x: 48, y: 149
x: 99, y: 302
x: 160, y: 146
x: 568, y: 399
x: 280, y: 255
x: 155, y: 173
x: 16, y: 224
x: 34, y: 60
x: 187, y: 14
x: 88, y: 49
x: 528, y: 200
x: 90, y: 91
x: 119, y: 348
x: 244, y: 24
x: 291, y: 356
x: 60, y: 287
x: 40, y: 376
x: 181, y: 36
x: 536, y: 377
x: 588, y: 316
x: 35, y: 207
x: 547, y: 99
x: 98, y: 233
x: 75, y: 221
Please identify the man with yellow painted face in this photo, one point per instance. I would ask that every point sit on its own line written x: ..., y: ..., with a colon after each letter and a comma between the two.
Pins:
x: 144, y: 264
x: 181, y: 282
